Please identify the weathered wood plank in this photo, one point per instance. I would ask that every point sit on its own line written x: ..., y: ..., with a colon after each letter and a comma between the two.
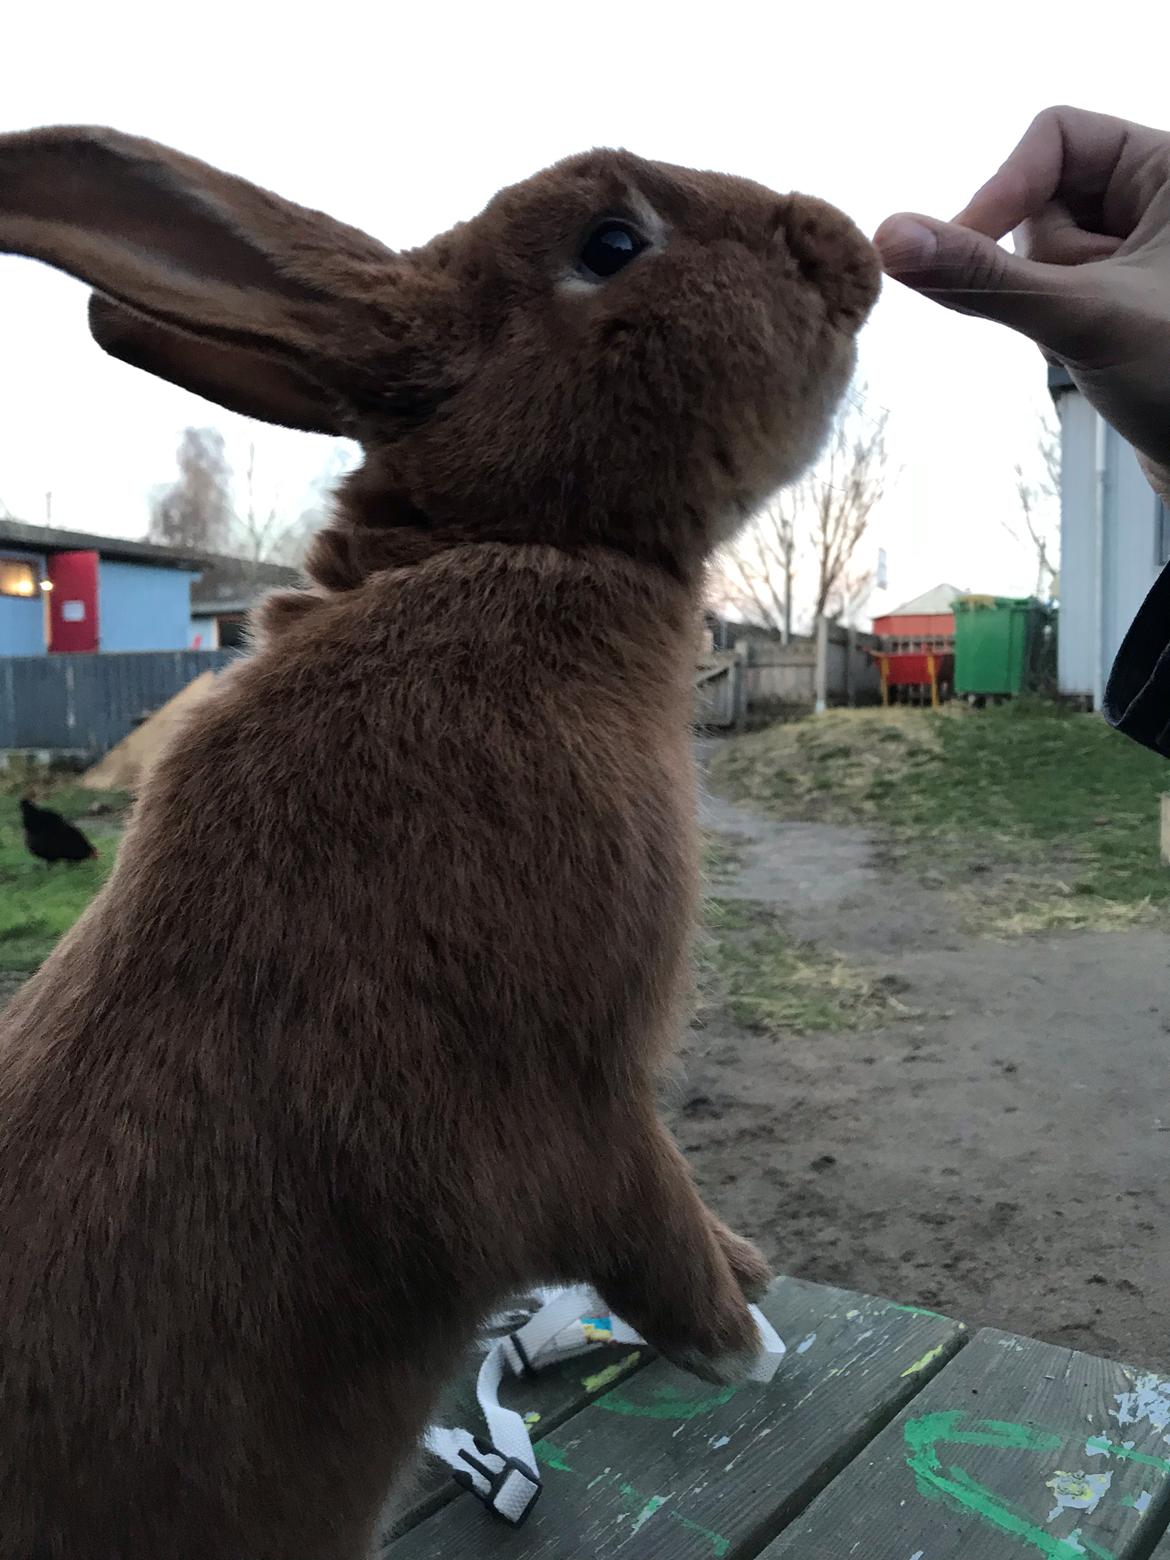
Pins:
x: 1016, y: 1448
x: 1163, y: 1550
x: 664, y: 1466
x: 547, y: 1400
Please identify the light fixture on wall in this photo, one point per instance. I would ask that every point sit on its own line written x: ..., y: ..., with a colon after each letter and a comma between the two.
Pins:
x: 46, y: 584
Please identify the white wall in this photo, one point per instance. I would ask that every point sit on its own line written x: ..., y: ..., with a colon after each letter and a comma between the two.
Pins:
x: 206, y: 631
x: 1131, y: 543
x: 1108, y: 546
x: 1076, y: 644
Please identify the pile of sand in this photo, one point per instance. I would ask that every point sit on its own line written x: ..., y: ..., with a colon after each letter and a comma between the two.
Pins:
x: 124, y: 766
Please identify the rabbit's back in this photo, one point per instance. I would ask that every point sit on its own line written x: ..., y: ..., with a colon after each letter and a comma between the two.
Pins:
x: 415, y: 887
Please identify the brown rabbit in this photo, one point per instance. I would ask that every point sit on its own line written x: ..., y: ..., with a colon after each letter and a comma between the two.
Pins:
x: 362, y: 1032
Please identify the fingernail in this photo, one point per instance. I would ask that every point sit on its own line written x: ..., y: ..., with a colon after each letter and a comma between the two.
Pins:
x: 906, y: 245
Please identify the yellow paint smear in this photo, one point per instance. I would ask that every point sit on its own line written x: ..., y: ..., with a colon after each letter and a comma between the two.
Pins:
x: 606, y: 1377
x: 931, y: 1354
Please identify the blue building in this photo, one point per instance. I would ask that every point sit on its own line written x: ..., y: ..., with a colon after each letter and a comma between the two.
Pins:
x: 66, y: 591
x: 224, y: 594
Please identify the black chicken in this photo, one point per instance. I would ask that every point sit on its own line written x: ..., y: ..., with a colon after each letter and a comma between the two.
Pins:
x: 51, y: 837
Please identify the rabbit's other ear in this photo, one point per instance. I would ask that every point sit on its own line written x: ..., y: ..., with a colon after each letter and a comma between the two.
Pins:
x: 195, y: 251
x: 253, y: 383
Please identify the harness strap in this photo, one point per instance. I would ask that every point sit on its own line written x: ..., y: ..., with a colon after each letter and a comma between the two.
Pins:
x: 502, y: 1470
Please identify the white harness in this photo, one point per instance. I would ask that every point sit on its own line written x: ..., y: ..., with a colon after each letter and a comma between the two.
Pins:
x: 502, y: 1471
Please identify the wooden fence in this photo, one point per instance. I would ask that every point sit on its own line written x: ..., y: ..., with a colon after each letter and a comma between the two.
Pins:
x: 81, y: 705
x: 760, y: 679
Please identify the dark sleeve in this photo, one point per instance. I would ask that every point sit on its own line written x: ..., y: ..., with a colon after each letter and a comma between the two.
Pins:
x: 1137, y: 695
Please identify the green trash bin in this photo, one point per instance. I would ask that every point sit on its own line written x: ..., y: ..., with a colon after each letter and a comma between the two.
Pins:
x: 1002, y: 645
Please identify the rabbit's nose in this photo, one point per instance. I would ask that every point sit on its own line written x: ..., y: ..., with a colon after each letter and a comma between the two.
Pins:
x: 832, y: 254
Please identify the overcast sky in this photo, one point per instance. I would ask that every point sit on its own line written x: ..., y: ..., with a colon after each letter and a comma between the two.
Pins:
x: 403, y: 119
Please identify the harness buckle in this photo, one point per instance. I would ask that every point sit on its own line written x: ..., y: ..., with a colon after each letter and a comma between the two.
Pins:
x: 512, y: 1489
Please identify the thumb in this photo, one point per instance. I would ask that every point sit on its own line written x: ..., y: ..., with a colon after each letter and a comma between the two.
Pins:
x: 968, y: 271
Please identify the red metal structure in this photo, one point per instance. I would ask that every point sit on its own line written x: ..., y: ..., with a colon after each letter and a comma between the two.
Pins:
x: 918, y: 644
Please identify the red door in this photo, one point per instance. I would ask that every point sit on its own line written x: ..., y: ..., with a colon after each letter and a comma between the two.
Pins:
x: 73, y: 601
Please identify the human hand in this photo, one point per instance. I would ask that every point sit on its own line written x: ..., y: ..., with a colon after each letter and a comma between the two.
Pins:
x: 1087, y: 198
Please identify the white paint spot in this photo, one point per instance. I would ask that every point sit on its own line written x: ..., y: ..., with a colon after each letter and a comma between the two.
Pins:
x: 1149, y: 1402
x: 919, y: 1554
x: 1141, y: 1503
x: 717, y: 1441
x: 1096, y: 1446
x: 1074, y: 1542
x: 647, y: 1512
x: 861, y: 1337
x: 806, y: 1344
x: 1077, y: 1491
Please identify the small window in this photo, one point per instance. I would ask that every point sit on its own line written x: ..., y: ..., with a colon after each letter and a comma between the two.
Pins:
x: 1163, y: 533
x: 18, y: 578
x: 233, y: 633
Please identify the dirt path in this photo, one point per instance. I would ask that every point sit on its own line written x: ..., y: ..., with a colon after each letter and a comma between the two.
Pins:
x: 1000, y: 1152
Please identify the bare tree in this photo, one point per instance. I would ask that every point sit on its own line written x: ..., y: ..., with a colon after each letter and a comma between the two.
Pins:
x: 195, y: 511
x: 266, y: 532
x: 203, y: 512
x: 840, y: 495
x: 1039, y: 527
x: 257, y: 531
x: 756, y: 574
x: 851, y: 595
x: 818, y: 524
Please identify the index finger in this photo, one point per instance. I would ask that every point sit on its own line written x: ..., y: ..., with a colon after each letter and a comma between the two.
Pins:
x: 1064, y: 152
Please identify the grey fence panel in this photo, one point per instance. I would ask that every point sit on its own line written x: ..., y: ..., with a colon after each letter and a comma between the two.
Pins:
x: 87, y: 703
x: 39, y: 702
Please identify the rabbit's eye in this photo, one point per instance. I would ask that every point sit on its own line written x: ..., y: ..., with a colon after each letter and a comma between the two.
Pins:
x: 609, y: 247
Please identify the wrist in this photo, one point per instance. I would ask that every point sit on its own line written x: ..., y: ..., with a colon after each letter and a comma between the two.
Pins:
x: 1157, y: 475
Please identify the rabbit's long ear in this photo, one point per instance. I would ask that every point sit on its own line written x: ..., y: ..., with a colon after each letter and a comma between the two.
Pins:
x: 223, y: 287
x: 254, y: 383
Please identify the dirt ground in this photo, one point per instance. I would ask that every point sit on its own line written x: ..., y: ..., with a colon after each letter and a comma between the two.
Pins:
x: 999, y: 1152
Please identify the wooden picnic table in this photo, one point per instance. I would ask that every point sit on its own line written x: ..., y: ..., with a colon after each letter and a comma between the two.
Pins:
x: 889, y: 1433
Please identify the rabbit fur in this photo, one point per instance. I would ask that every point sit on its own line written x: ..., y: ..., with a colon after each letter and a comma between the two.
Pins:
x: 362, y: 1033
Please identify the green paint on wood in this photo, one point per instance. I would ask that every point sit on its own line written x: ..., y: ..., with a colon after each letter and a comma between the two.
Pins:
x: 1139, y: 1502
x: 719, y: 1544
x: 652, y: 1505
x: 957, y: 1490
x: 610, y: 1374
x: 1099, y: 1446
x: 670, y: 1403
x: 927, y: 1358
x: 550, y: 1456
x: 990, y: 1432
x: 920, y: 1310
x: 553, y: 1457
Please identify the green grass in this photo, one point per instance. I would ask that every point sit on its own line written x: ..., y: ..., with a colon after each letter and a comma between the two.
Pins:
x: 722, y: 857
x: 39, y: 902
x: 1032, y: 816
x: 753, y: 970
